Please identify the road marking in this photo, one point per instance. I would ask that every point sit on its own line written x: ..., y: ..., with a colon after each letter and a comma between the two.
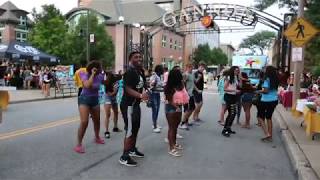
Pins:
x: 38, y: 128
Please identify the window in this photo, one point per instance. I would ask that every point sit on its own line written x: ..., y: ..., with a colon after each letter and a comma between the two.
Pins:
x: 21, y: 36
x: 23, y: 21
x: 180, y: 45
x: 175, y: 45
x: 171, y: 43
x: 164, y: 41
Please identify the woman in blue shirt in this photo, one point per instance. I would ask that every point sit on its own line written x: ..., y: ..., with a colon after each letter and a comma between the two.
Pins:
x: 269, y: 101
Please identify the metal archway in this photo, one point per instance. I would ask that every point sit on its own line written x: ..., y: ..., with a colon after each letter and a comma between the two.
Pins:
x: 178, y: 20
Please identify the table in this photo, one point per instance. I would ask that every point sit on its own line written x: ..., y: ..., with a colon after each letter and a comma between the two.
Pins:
x: 285, y: 98
x: 312, y: 121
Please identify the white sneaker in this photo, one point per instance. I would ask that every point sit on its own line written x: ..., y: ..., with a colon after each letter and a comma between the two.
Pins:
x: 179, y: 136
x: 157, y: 127
x: 166, y: 140
x: 184, y: 127
x: 156, y: 130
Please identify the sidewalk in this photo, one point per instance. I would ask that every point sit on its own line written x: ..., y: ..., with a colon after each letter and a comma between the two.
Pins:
x: 20, y: 96
x: 303, y: 151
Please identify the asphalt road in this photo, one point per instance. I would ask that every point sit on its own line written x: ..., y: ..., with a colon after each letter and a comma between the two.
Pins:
x: 36, y: 141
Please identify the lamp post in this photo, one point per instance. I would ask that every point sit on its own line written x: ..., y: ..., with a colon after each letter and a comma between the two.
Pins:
x: 87, y: 37
x: 298, y: 65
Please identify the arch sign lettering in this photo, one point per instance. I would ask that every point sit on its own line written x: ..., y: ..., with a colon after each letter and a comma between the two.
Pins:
x: 231, y: 12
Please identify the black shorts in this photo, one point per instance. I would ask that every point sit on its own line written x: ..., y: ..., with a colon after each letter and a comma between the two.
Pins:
x: 266, y: 109
x: 190, y: 106
x: 197, y: 97
x: 131, y: 117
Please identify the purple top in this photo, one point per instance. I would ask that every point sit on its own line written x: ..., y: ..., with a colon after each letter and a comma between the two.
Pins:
x: 94, y: 90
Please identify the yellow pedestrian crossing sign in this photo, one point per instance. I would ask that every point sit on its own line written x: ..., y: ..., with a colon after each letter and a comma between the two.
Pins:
x: 300, y: 32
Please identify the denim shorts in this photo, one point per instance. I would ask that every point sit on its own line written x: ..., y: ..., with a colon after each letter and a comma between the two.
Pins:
x: 171, y: 109
x: 111, y: 100
x: 247, y: 97
x: 90, y: 101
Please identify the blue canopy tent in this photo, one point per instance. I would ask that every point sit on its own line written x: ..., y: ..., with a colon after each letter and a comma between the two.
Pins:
x: 22, y: 50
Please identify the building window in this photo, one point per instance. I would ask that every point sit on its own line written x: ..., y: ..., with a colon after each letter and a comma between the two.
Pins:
x: 171, y: 43
x: 175, y: 45
x: 164, y: 41
x: 180, y: 45
x: 21, y: 36
x: 23, y: 21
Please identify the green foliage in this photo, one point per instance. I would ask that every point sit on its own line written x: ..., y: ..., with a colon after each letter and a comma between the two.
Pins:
x: 51, y: 34
x: 260, y: 40
x: 49, y: 31
x: 102, y: 49
x: 264, y: 4
x: 313, y: 15
x: 209, y: 56
x: 316, y: 71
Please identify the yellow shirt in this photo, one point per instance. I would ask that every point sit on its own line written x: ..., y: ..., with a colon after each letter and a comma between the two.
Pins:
x: 77, y: 78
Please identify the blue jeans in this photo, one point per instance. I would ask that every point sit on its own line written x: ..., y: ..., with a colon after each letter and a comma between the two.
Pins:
x: 155, y: 105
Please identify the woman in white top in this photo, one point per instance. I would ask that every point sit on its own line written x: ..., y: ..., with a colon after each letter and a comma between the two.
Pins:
x: 231, y: 97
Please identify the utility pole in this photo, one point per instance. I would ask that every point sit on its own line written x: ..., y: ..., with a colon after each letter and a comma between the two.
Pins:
x: 298, y: 65
x: 87, y: 38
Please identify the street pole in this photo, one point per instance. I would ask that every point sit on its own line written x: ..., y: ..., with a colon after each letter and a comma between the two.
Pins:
x: 87, y: 38
x: 298, y: 65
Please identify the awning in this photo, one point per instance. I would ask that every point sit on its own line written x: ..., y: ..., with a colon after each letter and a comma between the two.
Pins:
x: 22, y: 50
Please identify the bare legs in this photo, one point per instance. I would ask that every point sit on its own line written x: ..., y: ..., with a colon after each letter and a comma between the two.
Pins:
x: 174, y: 120
x: 84, y: 120
x: 247, y: 107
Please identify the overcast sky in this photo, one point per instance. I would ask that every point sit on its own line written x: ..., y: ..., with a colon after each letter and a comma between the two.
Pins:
x: 233, y: 38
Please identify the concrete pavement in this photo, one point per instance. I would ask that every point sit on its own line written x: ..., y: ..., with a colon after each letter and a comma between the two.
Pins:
x: 46, y: 153
x: 20, y: 96
x: 303, y: 152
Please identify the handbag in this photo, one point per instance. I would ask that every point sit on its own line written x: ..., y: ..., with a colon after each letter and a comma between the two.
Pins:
x: 256, y: 99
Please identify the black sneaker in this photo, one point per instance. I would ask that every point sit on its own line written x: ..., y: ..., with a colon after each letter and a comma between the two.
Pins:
x: 225, y: 133
x: 127, y: 161
x: 136, y: 153
x: 232, y: 132
x: 116, y: 130
x: 107, y: 135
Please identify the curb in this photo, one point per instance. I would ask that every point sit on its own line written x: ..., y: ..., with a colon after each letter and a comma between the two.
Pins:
x: 39, y: 99
x: 297, y: 157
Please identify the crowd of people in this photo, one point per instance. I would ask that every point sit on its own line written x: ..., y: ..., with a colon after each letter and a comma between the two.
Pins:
x: 27, y: 76
x: 182, y: 91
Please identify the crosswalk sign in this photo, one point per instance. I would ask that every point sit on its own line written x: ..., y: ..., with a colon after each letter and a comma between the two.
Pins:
x: 300, y: 32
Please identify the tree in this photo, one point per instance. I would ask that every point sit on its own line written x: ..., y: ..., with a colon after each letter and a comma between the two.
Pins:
x: 49, y: 31
x: 312, y: 50
x: 264, y: 4
x: 260, y: 40
x: 219, y: 57
x: 209, y: 56
x: 102, y: 49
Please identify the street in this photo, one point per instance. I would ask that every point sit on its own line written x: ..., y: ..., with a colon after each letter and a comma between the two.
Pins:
x: 36, y: 141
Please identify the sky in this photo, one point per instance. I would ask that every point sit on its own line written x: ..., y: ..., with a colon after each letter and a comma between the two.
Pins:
x: 228, y: 38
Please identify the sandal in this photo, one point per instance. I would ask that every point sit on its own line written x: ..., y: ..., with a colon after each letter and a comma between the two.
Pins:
x: 221, y: 123
x: 246, y: 126
x: 79, y: 149
x: 178, y: 147
x: 175, y: 153
x: 99, y: 141
x: 266, y: 139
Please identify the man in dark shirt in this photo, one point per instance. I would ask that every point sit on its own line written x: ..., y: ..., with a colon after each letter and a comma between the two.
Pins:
x: 134, y: 81
x: 197, y: 92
